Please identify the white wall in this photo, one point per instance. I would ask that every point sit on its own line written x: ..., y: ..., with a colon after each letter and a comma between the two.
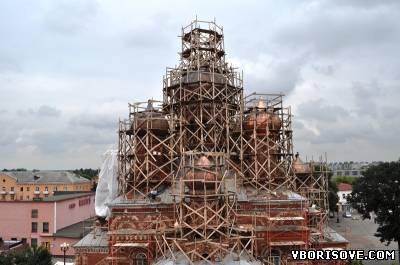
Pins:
x: 340, y: 194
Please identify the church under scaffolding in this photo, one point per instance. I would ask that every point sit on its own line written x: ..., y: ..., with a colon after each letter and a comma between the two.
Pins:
x: 208, y: 175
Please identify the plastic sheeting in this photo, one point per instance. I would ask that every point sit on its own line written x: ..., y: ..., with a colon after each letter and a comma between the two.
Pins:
x: 107, y: 188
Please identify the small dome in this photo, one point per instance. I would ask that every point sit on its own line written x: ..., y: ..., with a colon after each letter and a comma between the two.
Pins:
x: 201, y: 174
x: 263, y: 119
x: 203, y: 161
x: 299, y: 167
x: 261, y: 104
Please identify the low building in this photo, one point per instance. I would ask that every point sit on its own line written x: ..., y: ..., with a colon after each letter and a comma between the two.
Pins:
x: 344, y: 190
x: 48, y: 222
x: 29, y: 185
x: 11, y: 246
x: 348, y: 168
x: 93, y: 248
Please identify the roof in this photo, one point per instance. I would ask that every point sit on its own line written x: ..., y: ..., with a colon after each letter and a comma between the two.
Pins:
x: 46, y: 176
x: 77, y: 230
x: 96, y: 238
x: 333, y: 236
x: 344, y: 187
x: 63, y: 197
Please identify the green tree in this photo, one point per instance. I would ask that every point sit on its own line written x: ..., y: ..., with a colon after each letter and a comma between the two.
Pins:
x: 33, y: 256
x: 88, y: 173
x: 332, y: 193
x: 345, y: 179
x: 379, y: 192
x: 6, y: 260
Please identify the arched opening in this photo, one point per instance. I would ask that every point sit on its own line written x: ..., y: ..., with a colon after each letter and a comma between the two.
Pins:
x: 141, y: 259
x: 276, y: 257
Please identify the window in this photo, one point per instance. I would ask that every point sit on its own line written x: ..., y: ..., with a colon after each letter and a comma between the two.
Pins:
x: 21, y: 198
x: 4, y: 180
x: 276, y: 257
x: 3, y: 197
x: 4, y: 188
x: 28, y: 188
x: 34, y: 227
x: 12, y: 189
x: 34, y: 213
x: 45, y: 227
x: 21, y: 189
x: 12, y: 196
x: 46, y: 188
x: 27, y: 197
x: 65, y: 188
x: 46, y: 244
x: 33, y: 242
x: 141, y: 259
x: 37, y: 188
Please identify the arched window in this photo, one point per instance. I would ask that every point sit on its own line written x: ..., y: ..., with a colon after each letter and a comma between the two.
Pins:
x: 276, y: 257
x: 141, y: 259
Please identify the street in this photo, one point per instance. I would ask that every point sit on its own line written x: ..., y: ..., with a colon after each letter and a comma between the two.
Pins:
x: 360, y: 234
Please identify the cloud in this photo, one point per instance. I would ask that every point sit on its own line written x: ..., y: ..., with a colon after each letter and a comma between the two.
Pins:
x: 69, y: 17
x: 316, y: 110
x: 265, y: 74
x: 328, y: 31
x: 42, y: 111
x: 69, y: 68
x: 95, y: 121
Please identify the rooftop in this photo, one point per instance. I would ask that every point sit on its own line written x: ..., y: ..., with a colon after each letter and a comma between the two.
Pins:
x: 96, y: 238
x: 77, y: 230
x: 45, y: 177
x: 344, y: 187
x: 333, y: 236
x: 68, y: 196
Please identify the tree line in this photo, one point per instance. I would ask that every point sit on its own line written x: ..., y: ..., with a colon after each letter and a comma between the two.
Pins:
x: 30, y: 256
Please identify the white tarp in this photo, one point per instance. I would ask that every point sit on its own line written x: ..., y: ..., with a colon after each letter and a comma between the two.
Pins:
x: 107, y: 188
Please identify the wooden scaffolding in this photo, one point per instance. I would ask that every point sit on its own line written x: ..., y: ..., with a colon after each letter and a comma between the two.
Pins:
x: 226, y: 159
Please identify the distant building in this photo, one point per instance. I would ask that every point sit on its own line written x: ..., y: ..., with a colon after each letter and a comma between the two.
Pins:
x: 48, y: 222
x: 29, y: 185
x: 11, y: 246
x: 349, y: 168
x: 344, y: 190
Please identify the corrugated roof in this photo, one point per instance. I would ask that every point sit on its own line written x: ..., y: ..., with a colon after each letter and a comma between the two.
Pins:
x: 46, y: 176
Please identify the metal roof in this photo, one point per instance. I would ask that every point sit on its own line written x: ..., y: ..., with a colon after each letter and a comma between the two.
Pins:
x: 77, y: 230
x: 96, y: 238
x: 46, y: 177
x: 63, y: 197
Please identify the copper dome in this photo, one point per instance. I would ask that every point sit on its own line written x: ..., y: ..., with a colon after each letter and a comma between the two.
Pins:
x: 201, y: 174
x: 299, y: 167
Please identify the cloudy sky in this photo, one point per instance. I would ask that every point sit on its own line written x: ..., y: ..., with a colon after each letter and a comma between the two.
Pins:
x: 69, y: 68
